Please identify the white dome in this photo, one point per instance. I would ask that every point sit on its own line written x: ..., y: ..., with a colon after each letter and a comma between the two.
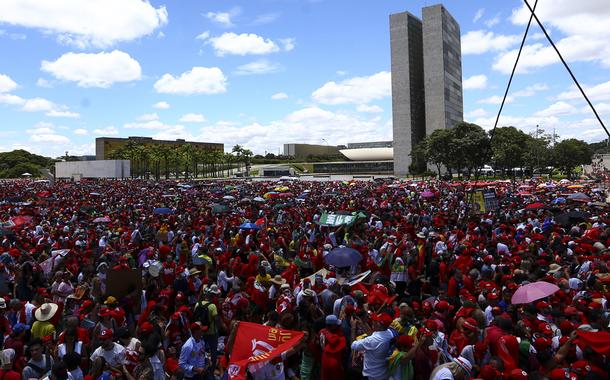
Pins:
x: 368, y: 154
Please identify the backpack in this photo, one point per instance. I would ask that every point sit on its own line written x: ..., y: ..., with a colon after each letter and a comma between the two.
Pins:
x: 41, y: 371
x: 202, y: 313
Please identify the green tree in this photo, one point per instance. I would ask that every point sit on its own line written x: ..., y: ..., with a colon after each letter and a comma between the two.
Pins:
x: 436, y: 152
x: 468, y: 147
x: 570, y: 153
x: 509, y: 147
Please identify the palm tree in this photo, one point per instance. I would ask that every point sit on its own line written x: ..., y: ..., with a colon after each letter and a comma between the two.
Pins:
x: 166, y: 153
x: 156, y: 154
x: 237, y: 152
x: 186, y: 153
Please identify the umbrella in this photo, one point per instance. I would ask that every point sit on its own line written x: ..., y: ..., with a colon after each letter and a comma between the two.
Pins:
x: 95, y: 194
x: 535, y: 206
x: 427, y: 194
x: 245, y: 200
x: 576, y: 187
x: 249, y: 226
x: 580, y: 197
x: 271, y: 194
x: 104, y: 219
x: 559, y: 200
x: 219, y: 209
x: 229, y: 197
x: 533, y: 291
x: 26, y: 174
x: 343, y: 257
x: 258, y: 199
x: 163, y: 211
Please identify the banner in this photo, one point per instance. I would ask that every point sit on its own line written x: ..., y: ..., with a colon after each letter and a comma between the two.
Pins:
x: 484, y: 201
x: 335, y: 220
x: 257, y: 344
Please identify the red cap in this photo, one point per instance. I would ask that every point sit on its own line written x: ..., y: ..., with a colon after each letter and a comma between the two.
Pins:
x: 566, y: 327
x: 582, y: 367
x: 545, y: 329
x: 517, y: 374
x: 493, y: 296
x: 471, y: 324
x: 489, y: 373
x: 405, y: 341
x: 197, y: 326
x: 562, y: 374
x: 542, y: 305
x: 382, y: 318
x: 146, y: 327
x: 104, y: 312
x: 105, y: 334
x: 443, y: 306
x: 542, y: 343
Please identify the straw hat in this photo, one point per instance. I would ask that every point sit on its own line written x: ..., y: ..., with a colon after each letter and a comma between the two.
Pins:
x: 46, y: 311
x: 278, y: 280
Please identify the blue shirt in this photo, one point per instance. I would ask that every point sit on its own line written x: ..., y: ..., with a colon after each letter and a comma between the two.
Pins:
x: 192, y: 356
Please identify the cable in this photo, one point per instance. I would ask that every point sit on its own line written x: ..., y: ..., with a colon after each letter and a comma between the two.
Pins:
x: 566, y: 65
x: 477, y: 171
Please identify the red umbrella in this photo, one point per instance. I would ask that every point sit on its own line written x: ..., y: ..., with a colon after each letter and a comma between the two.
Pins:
x: 535, y: 206
x: 21, y: 220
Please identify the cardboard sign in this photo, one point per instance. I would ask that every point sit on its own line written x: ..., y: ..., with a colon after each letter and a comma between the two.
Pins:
x: 126, y: 286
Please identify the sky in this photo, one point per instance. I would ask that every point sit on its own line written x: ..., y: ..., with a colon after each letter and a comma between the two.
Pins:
x: 262, y: 73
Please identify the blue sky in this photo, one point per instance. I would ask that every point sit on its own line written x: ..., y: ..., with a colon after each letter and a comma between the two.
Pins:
x: 266, y: 72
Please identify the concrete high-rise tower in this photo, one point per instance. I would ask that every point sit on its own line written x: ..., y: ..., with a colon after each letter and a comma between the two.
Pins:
x: 426, y: 78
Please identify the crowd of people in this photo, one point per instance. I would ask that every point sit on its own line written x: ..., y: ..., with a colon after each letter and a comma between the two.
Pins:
x: 429, y: 294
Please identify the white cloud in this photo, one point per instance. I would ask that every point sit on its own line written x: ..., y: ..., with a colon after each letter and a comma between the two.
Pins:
x: 148, y: 117
x: 192, y: 118
x: 495, y: 99
x: 261, y: 66
x: 38, y: 105
x: 11, y: 99
x: 287, y: 43
x: 557, y: 109
x: 60, y: 113
x: 81, y: 131
x: 369, y: 109
x: 307, y: 125
x: 600, y: 91
x: 161, y: 105
x: 7, y: 84
x: 492, y: 21
x: 523, y: 93
x: 223, y: 18
x: 531, y: 90
x: 151, y: 124
x: 279, y: 96
x: 100, y: 23
x: 341, y: 72
x: 199, y: 80
x: 203, y: 36
x: 478, y: 15
x: 242, y: 44
x: 357, y: 90
x: 266, y: 18
x: 480, y: 41
x: 475, y: 82
x: 46, y: 133
x: 94, y: 70
x: 479, y: 112
x: 41, y: 82
x: 583, y: 25
x: 106, y: 131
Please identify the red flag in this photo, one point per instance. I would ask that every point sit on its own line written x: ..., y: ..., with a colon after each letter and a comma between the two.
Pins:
x: 257, y: 344
x: 599, y: 341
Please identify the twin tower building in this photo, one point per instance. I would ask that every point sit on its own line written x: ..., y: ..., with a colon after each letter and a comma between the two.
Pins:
x: 426, y: 78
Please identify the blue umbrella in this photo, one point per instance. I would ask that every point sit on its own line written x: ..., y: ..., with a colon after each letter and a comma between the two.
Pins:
x: 249, y: 226
x: 559, y: 200
x: 163, y: 211
x: 343, y: 257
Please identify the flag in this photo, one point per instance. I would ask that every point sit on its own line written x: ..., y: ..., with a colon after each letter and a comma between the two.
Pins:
x: 599, y: 341
x: 335, y: 220
x: 256, y: 345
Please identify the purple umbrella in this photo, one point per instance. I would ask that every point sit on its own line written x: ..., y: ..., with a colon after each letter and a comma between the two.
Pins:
x: 427, y: 194
x: 534, y: 291
x: 343, y: 257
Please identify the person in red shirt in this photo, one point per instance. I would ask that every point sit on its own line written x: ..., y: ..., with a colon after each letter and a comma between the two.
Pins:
x: 333, y: 344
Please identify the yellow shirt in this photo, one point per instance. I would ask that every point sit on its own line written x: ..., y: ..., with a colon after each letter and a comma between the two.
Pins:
x: 263, y: 280
x: 42, y: 329
x: 401, y: 330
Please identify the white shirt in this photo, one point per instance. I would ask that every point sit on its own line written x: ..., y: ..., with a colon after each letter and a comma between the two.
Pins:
x: 114, y: 357
x: 376, y: 353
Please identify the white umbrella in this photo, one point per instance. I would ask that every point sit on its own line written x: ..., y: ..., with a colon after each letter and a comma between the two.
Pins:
x: 26, y: 174
x: 229, y: 197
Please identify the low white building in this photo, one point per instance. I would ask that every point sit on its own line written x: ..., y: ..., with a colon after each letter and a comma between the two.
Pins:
x: 93, y: 169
